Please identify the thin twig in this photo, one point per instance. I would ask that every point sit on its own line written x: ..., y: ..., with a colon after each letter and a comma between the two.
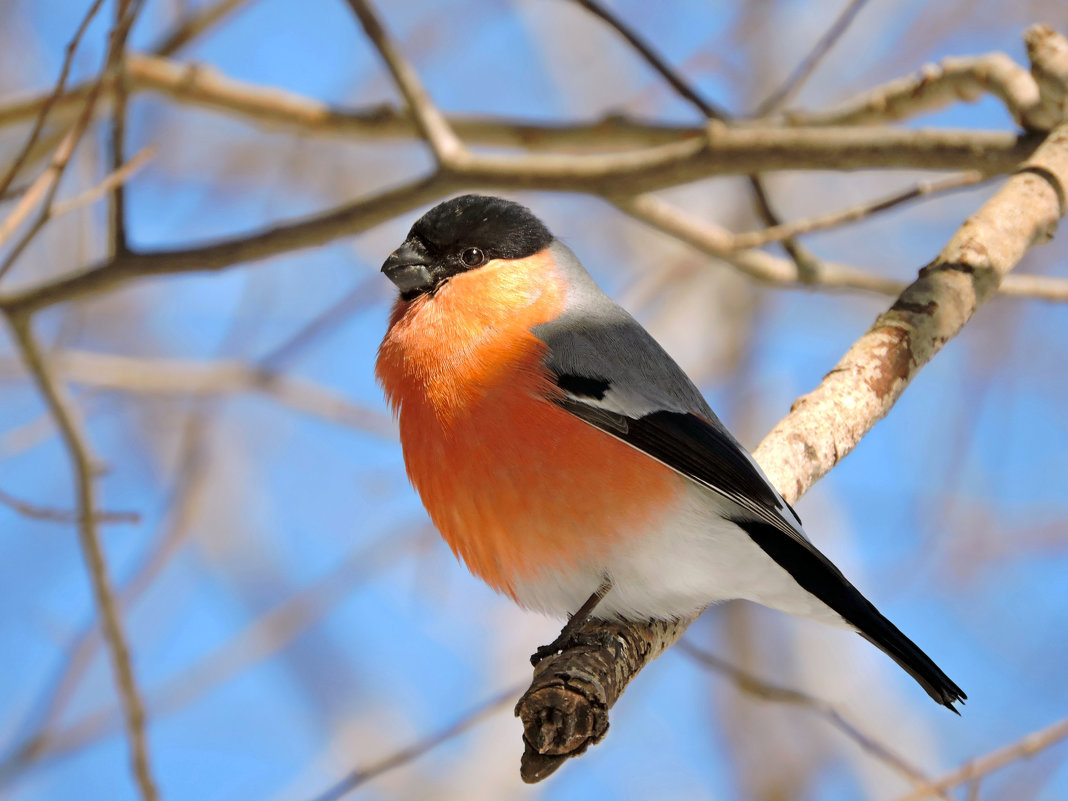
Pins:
x: 807, y: 264
x: 656, y: 61
x: 262, y: 637
x: 360, y: 297
x: 42, y: 191
x: 974, y: 769
x: 719, y: 243
x: 54, y: 697
x: 804, y: 70
x: 361, y: 776
x: 205, y: 379
x: 50, y: 514
x: 923, y: 189
x: 192, y: 26
x: 61, y: 83
x: 62, y: 410
x: 444, y: 143
x: 757, y: 687
x: 109, y: 182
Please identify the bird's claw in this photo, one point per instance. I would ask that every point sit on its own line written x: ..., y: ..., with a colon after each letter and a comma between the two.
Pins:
x: 579, y: 639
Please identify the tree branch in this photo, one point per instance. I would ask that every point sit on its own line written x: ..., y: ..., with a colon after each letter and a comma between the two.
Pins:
x: 431, y: 122
x: 214, y: 378
x: 977, y: 768
x: 50, y: 514
x: 361, y: 776
x: 967, y: 78
x: 804, y: 70
x: 719, y: 243
x: 45, y: 106
x: 62, y: 411
x: 758, y: 688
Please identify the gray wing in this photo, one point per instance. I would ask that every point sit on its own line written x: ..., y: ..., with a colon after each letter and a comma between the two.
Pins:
x: 617, y: 378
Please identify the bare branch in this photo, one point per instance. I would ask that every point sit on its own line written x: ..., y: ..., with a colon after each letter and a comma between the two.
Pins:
x: 720, y: 244
x: 214, y: 378
x: 757, y: 687
x: 656, y: 61
x: 46, y: 106
x: 361, y: 776
x: 974, y: 769
x: 448, y: 149
x: 52, y: 515
x: 206, y: 87
x: 126, y: 684
x: 202, y: 19
x: 117, y: 134
x: 860, y: 211
x: 953, y: 79
x: 262, y: 637
x: 804, y: 70
x: 565, y: 709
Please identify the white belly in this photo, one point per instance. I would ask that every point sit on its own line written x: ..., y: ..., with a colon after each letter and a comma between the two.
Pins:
x: 691, y: 559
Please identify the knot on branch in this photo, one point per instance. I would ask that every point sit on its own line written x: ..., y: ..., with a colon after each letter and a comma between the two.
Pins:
x: 565, y: 710
x: 1048, y: 52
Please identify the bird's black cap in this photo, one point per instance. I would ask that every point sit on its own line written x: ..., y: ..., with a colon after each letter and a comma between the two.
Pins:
x: 460, y: 235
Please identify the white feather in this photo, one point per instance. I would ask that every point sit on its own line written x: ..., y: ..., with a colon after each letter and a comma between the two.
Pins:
x: 691, y: 558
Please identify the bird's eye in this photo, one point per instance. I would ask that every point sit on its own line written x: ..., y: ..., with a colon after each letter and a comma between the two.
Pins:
x: 472, y: 257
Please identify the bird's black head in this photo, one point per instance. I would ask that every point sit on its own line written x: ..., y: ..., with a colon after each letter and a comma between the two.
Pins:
x: 463, y: 234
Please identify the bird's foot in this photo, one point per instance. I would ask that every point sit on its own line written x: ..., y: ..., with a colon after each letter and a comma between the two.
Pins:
x: 573, y: 639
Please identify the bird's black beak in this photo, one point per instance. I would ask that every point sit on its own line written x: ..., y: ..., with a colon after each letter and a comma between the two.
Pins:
x: 409, y: 267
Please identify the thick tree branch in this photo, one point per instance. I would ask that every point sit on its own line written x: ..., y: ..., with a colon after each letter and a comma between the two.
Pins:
x: 566, y: 708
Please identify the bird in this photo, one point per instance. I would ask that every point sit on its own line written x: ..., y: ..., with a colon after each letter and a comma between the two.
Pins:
x: 568, y: 461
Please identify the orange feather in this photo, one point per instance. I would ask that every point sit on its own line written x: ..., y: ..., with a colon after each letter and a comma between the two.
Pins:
x: 516, y: 485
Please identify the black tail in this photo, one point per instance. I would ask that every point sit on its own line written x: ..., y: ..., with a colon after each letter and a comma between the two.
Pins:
x: 815, y: 573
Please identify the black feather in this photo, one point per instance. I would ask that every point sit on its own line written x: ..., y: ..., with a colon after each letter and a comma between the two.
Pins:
x: 815, y: 573
x: 583, y: 386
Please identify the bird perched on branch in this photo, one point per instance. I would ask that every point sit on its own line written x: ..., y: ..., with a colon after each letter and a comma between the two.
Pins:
x: 566, y: 458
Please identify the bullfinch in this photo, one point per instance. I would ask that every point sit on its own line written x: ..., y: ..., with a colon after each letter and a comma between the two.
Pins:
x: 568, y: 460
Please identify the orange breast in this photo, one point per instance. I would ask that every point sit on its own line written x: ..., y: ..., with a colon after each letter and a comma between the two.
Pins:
x: 516, y: 486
